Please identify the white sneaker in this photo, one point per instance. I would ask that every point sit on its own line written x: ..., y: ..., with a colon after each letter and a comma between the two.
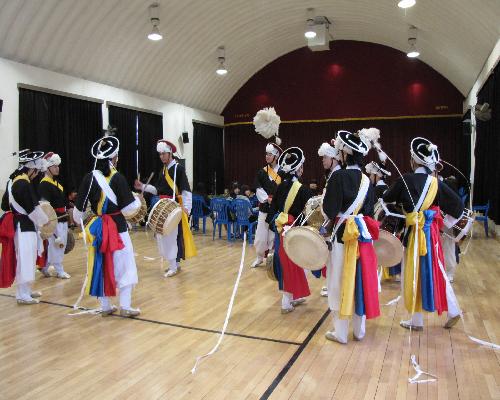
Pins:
x: 324, y: 292
x: 64, y: 275
x: 258, y: 261
x: 407, y: 325
x: 298, y: 302
x: 46, y: 272
x: 330, y: 335
x: 170, y: 273
x: 287, y: 310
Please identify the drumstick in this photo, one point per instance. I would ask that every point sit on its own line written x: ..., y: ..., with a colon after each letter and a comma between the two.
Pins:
x: 147, y: 182
x: 58, y: 218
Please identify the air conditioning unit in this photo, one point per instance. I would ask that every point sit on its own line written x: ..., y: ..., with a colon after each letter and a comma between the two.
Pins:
x: 322, y: 40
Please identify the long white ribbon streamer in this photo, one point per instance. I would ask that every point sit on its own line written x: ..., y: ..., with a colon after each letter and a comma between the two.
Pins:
x: 229, y: 309
x: 420, y: 372
x: 450, y: 294
x: 76, y: 306
x: 393, y: 301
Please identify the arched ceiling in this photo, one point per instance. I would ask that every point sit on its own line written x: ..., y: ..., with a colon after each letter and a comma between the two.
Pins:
x: 105, y: 40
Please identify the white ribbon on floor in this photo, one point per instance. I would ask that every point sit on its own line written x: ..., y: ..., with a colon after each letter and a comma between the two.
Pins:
x: 393, y: 301
x: 450, y: 293
x: 229, y: 309
x: 419, y: 373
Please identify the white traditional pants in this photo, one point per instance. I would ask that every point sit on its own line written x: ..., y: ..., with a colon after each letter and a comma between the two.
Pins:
x: 167, y: 247
x: 450, y: 259
x: 334, y: 271
x: 125, y: 274
x: 264, y: 237
x: 26, y: 251
x: 55, y: 254
x: 417, y: 318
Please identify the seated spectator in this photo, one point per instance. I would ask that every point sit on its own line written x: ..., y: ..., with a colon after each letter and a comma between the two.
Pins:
x: 313, y: 187
x: 235, y: 190
x: 251, y: 195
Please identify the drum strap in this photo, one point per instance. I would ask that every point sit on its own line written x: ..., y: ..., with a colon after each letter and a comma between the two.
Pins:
x: 53, y: 182
x: 356, y: 204
x: 170, y: 181
x: 104, y: 185
x: 273, y: 175
x: 12, y: 201
x: 282, y: 218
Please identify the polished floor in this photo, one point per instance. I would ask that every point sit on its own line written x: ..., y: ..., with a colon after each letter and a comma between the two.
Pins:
x: 47, y: 354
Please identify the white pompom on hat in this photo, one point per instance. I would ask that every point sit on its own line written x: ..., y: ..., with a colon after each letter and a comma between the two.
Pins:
x: 49, y: 160
x: 164, y: 146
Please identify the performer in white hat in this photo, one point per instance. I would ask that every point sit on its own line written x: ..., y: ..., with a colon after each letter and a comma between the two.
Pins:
x: 378, y: 175
x: 179, y: 244
x: 287, y: 205
x: 110, y: 259
x: 422, y: 196
x: 352, y: 283
x: 331, y: 160
x: 52, y: 191
x: 266, y: 123
x: 266, y: 183
x: 18, y: 228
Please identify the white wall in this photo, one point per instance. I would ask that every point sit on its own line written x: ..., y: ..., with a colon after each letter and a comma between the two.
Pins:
x: 12, y: 73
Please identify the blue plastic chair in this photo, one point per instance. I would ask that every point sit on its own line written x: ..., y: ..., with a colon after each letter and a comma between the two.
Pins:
x: 197, y: 213
x: 243, y: 209
x: 484, y: 217
x: 220, y: 208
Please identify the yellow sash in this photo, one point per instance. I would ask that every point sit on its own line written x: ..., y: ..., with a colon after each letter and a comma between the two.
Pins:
x: 413, y: 300
x: 350, y: 239
x: 189, y: 246
x: 90, y: 238
x: 53, y: 182
x: 272, y: 174
x: 282, y: 218
x: 22, y: 177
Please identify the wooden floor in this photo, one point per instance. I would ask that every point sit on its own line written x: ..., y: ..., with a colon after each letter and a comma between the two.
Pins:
x: 46, y: 354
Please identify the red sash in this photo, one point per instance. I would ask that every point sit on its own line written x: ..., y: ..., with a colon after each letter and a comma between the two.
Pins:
x: 8, y: 261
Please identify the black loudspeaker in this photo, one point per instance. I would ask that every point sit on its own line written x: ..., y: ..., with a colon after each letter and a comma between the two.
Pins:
x: 185, y: 137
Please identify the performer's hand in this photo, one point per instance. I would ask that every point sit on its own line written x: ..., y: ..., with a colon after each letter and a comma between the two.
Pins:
x: 269, y: 200
x: 138, y: 184
x: 185, y: 210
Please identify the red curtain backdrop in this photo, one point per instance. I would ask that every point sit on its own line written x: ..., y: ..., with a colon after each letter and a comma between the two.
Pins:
x: 352, y: 80
x: 245, y: 149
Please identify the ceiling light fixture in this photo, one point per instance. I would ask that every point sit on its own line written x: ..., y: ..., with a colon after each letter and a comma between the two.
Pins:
x: 154, y: 18
x: 309, y: 32
x: 221, y: 58
x: 406, y: 3
x: 412, y: 42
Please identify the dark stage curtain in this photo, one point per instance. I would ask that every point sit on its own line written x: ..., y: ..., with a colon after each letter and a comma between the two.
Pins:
x: 125, y: 122
x: 245, y: 149
x: 208, y: 148
x: 150, y: 131
x: 64, y: 125
x: 487, y: 150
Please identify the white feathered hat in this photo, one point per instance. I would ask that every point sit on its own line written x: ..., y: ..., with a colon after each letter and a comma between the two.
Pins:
x: 266, y: 123
x: 329, y: 150
x: 50, y: 159
x: 424, y: 152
